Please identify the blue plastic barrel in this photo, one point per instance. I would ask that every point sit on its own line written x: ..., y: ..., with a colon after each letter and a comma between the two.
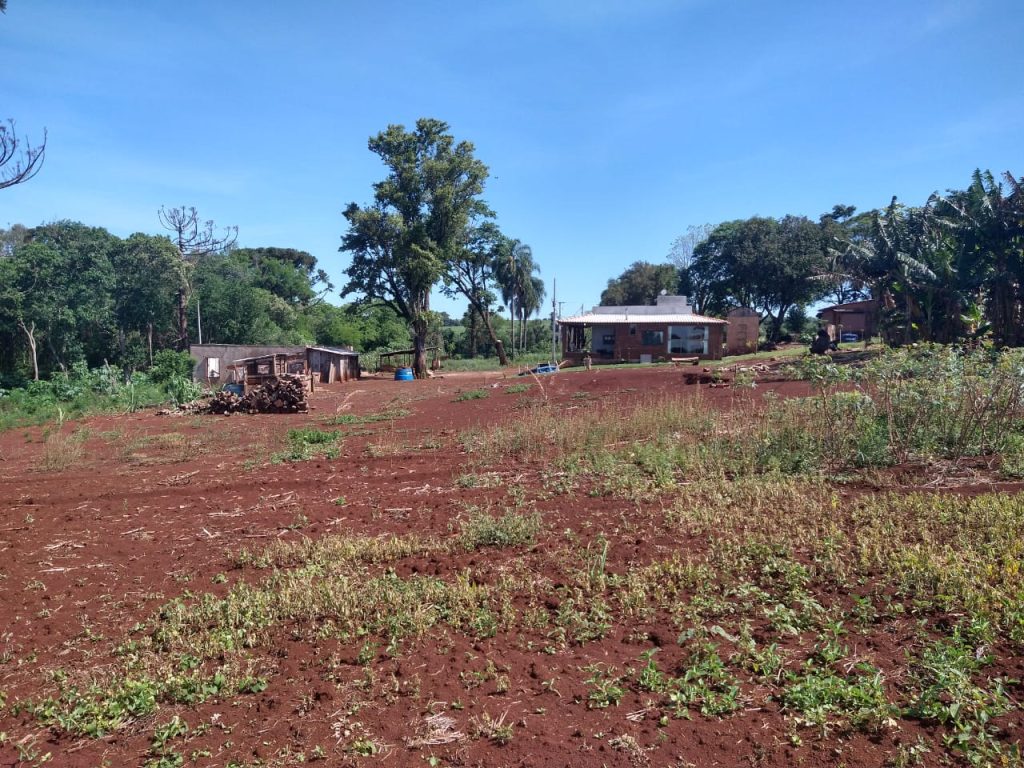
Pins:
x: 404, y: 374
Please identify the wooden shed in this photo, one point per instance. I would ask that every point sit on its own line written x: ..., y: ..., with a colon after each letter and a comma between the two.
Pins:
x: 256, y: 371
x: 330, y: 364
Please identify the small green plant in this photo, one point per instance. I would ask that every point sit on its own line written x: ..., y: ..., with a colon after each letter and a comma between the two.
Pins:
x: 650, y: 677
x: 512, y: 529
x: 516, y: 389
x: 707, y: 684
x: 390, y: 414
x: 252, y: 685
x: 472, y: 394
x: 945, y: 692
x: 495, y: 730
x: 308, y: 443
x: 606, y: 686
x: 825, y: 697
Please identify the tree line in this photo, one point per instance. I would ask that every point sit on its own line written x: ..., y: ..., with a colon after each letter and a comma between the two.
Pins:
x: 946, y: 270
x: 73, y: 293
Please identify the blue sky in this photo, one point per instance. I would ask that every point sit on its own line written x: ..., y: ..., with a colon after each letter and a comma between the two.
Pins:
x: 608, y: 126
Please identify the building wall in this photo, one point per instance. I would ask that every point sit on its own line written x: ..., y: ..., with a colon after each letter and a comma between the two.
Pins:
x: 855, y: 322
x: 744, y: 329
x: 226, y: 354
x: 346, y: 367
x: 629, y: 342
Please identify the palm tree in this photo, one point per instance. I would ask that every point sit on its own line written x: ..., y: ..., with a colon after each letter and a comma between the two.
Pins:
x: 530, y: 303
x: 989, y: 228
x: 514, y: 270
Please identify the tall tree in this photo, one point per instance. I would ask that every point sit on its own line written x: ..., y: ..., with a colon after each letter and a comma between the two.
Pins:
x: 403, y: 242
x: 843, y: 234
x: 146, y: 271
x: 681, y: 253
x: 195, y: 240
x: 988, y: 222
x: 18, y: 162
x: 291, y: 274
x: 471, y: 272
x: 521, y: 291
x: 640, y: 284
x: 768, y: 264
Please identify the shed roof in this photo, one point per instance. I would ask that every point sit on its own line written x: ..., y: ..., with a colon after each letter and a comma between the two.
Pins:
x: 336, y: 351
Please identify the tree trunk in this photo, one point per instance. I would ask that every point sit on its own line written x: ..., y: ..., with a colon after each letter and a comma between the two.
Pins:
x: 30, y: 333
x: 182, y: 320
x: 907, y: 339
x: 472, y: 334
x: 512, y: 318
x: 419, y: 344
x: 498, y: 345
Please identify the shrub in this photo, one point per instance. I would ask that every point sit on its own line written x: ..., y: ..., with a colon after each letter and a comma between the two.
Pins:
x: 169, y: 365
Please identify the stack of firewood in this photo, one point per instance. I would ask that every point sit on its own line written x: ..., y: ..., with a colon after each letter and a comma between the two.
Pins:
x: 285, y: 394
x: 225, y: 402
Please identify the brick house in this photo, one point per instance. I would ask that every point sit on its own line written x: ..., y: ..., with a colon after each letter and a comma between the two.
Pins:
x: 642, y: 334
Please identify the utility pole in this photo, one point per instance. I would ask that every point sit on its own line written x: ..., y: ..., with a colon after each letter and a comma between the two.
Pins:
x: 554, y: 322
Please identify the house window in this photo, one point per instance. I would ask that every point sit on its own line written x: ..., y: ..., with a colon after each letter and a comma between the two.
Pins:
x: 687, y: 340
x: 653, y: 338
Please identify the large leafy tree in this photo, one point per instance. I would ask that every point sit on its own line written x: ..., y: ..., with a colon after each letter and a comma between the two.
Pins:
x: 145, y: 284
x: 640, y: 284
x: 988, y: 227
x: 288, y: 273
x: 471, y: 273
x: 56, y: 290
x: 768, y: 264
x: 403, y: 242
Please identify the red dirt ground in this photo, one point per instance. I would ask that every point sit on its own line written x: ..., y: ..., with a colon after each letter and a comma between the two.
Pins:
x: 155, y: 505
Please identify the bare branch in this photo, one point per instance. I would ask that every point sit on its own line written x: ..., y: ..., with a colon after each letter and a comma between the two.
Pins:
x: 18, y: 163
x: 194, y: 240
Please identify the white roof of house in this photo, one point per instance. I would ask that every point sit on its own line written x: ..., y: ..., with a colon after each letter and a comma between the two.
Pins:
x: 672, y: 310
x: 629, y: 318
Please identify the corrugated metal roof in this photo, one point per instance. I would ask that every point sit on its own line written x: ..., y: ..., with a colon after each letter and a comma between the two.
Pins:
x: 625, y: 318
x: 336, y: 351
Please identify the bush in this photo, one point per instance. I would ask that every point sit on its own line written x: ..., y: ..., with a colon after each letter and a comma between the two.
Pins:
x: 169, y: 365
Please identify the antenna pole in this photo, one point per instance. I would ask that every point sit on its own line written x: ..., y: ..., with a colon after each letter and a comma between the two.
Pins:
x: 554, y: 322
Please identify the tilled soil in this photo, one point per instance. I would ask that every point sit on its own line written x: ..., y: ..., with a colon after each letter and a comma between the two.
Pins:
x: 152, y: 508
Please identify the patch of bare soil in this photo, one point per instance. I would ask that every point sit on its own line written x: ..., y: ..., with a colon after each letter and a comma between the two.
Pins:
x: 155, y: 509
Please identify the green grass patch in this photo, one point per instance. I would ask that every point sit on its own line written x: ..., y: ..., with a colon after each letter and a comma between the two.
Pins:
x: 369, y: 418
x: 472, y: 394
x: 309, y: 443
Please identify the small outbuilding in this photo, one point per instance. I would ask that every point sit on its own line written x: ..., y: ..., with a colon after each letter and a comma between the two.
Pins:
x: 744, y: 331
x: 859, y: 317
x: 218, y: 364
x: 642, y: 334
x: 331, y: 364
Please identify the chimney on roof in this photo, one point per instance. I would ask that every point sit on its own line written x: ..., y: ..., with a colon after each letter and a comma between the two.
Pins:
x: 677, y: 303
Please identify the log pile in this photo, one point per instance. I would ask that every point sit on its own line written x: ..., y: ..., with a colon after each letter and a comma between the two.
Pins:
x: 225, y: 402
x: 285, y: 394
